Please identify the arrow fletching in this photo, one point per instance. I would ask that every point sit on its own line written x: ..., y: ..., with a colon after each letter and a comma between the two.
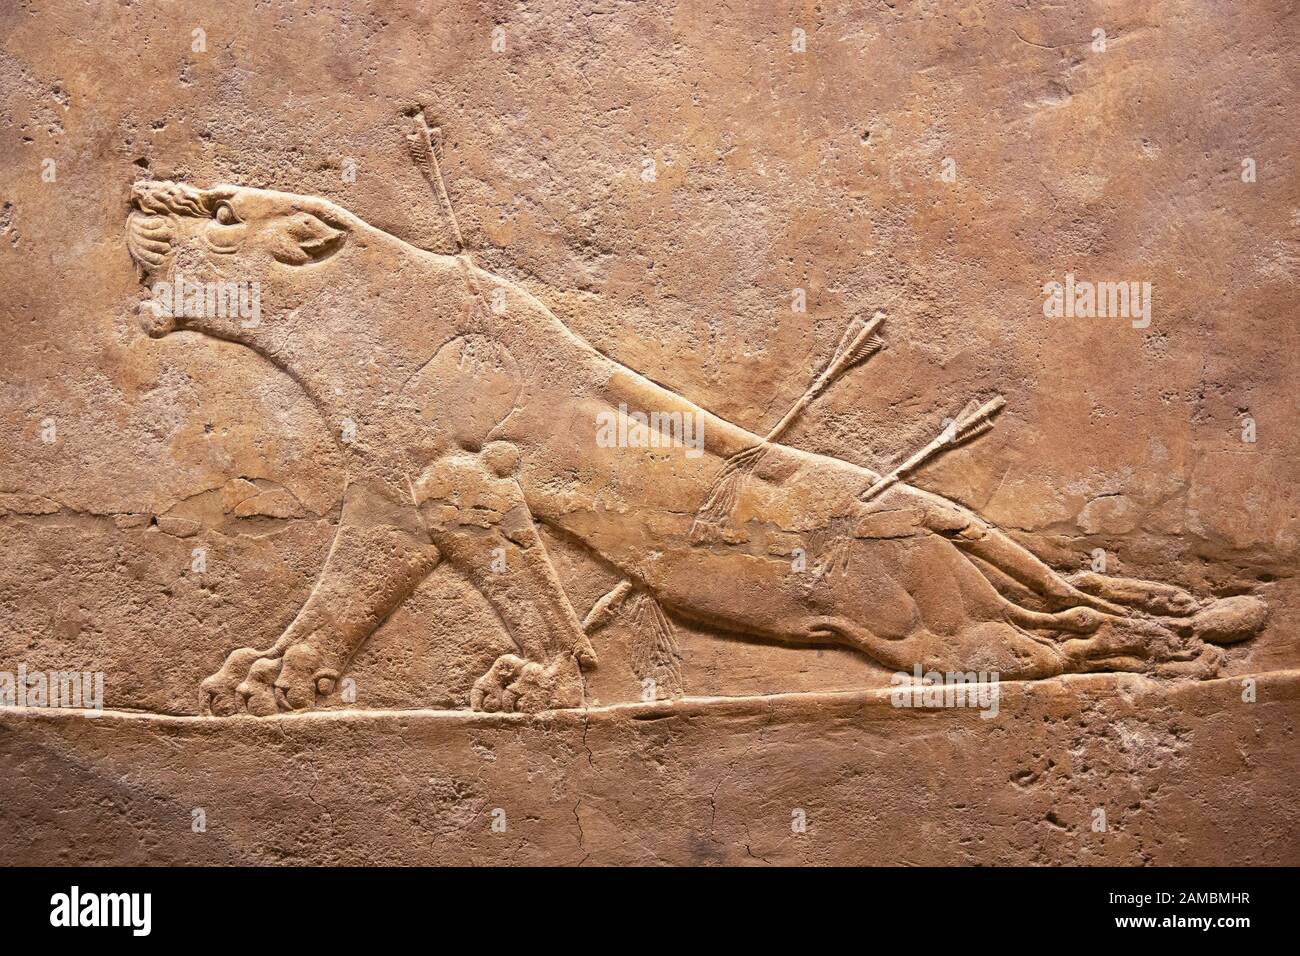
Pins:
x: 851, y: 331
x: 975, y: 420
x: 858, y: 343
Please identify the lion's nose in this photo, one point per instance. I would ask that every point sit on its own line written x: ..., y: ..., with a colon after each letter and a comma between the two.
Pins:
x: 308, y: 230
x: 314, y: 237
x: 146, y: 193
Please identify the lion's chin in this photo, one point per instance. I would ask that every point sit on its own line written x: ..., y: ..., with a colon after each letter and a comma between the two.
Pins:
x: 156, y: 325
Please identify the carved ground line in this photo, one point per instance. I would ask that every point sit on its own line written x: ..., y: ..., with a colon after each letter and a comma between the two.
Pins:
x: 875, y: 698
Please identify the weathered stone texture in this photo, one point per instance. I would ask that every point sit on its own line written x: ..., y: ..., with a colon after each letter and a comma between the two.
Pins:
x: 1191, y: 776
x: 643, y: 195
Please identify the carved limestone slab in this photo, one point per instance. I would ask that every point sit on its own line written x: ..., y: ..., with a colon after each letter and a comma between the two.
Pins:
x: 505, y: 396
x: 448, y: 431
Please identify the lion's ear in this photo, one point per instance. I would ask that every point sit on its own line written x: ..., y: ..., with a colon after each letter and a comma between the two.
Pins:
x: 305, y: 237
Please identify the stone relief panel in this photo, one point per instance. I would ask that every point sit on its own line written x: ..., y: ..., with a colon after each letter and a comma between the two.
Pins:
x: 469, y: 416
x: 518, y: 393
x: 596, y: 432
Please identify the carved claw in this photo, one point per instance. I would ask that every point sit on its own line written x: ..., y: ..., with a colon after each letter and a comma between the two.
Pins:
x: 514, y: 685
x: 219, y: 691
x: 262, y: 684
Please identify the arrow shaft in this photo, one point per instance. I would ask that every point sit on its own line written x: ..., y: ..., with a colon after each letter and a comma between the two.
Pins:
x: 838, y: 366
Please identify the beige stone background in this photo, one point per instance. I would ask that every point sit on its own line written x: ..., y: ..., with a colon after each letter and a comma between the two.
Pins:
x: 776, y: 170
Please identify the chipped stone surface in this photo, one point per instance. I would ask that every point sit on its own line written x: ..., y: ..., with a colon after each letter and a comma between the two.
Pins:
x: 821, y: 236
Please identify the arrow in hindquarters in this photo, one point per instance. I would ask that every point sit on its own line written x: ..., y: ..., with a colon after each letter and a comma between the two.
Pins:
x: 857, y: 344
x: 974, y: 420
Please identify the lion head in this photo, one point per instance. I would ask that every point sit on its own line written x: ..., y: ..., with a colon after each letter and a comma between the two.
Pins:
x: 225, y: 235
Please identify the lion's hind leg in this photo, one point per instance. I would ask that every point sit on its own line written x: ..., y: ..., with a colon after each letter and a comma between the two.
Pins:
x: 1141, y: 645
x: 1015, y: 652
x: 965, y: 623
x: 1135, y: 625
x: 976, y: 537
x: 1150, y: 596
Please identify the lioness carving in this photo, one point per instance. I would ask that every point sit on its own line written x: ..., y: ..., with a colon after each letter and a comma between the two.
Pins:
x: 469, y: 414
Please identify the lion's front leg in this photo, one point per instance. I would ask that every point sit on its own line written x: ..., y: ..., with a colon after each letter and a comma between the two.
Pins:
x: 380, y: 553
x: 475, y: 512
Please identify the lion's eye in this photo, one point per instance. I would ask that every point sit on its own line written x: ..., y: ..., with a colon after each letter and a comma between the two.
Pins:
x: 225, y: 215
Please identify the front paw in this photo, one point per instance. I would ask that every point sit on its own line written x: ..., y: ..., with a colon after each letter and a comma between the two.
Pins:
x: 305, y: 673
x: 515, y: 685
x: 264, y: 683
x: 220, y: 691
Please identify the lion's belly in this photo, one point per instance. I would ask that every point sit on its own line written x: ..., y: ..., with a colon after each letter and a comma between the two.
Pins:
x: 776, y: 567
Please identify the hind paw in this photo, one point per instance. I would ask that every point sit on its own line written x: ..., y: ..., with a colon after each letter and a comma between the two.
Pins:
x: 1229, y: 620
x: 1150, y: 596
x: 513, y: 684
